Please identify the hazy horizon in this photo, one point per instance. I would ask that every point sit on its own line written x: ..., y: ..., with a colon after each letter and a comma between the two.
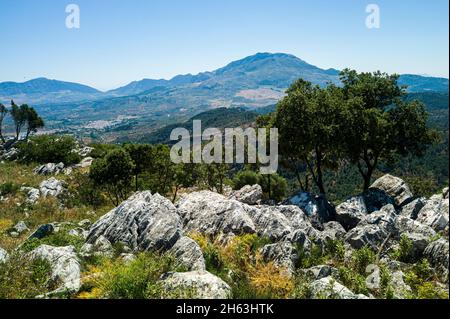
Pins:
x: 120, y: 42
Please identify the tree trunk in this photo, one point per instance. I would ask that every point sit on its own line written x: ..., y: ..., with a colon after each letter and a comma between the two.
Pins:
x: 319, y: 172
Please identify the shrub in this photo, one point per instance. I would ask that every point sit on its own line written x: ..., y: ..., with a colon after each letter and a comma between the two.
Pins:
x: 137, y: 279
x: 361, y: 258
x: 59, y: 239
x: 49, y: 149
x: 21, y: 278
x: 404, y: 251
x: 8, y: 188
x: 273, y: 186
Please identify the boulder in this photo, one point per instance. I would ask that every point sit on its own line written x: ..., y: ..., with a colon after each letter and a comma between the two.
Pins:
x: 144, y: 222
x: 20, y: 227
x: 202, y: 284
x: 406, y: 225
x: 366, y: 235
x: 283, y: 254
x: 101, y: 247
x: 11, y: 154
x: 42, y: 231
x: 188, y: 254
x: 375, y: 199
x: 250, y: 195
x: 321, y: 271
x: 85, y: 162
x: 384, y: 218
x: 419, y: 243
x: 49, y: 169
x: 329, y: 288
x: 315, y: 206
x: 412, y: 209
x: 3, y: 255
x: 435, y: 214
x: 437, y: 254
x: 269, y: 222
x: 33, y: 194
x: 333, y: 230
x: 351, y: 212
x: 84, y: 151
x: 64, y: 264
x: 52, y: 187
x: 300, y: 239
x: 213, y: 214
x: 394, y: 187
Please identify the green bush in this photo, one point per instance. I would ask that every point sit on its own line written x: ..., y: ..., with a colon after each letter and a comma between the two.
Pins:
x: 8, y: 189
x: 59, y: 239
x: 49, y: 149
x: 21, y: 278
x: 273, y: 186
x: 404, y: 251
x: 137, y: 279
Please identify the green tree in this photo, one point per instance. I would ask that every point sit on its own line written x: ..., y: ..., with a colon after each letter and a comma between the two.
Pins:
x: 3, y: 113
x: 34, y: 121
x: 381, y: 124
x: 19, y: 115
x: 309, y: 121
x: 142, y: 157
x: 113, y: 173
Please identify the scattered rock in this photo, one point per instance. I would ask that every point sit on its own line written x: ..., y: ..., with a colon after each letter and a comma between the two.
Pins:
x: 84, y: 151
x: 437, y: 254
x: 65, y: 266
x: 365, y: 235
x: 300, y: 239
x: 283, y: 254
x: 33, y: 194
x: 329, y: 288
x: 20, y: 227
x: 42, y: 231
x: 144, y: 222
x: 315, y: 206
x: 406, y: 225
x: 435, y: 214
x: 321, y: 271
x: 85, y: 162
x: 211, y: 213
x: 49, y: 169
x: 3, y: 255
x: 202, y: 284
x: 351, y: 212
x: 85, y: 223
x: 189, y: 254
x: 269, y: 222
x: 101, y: 247
x: 250, y: 195
x: 394, y: 187
x: 375, y: 199
x: 412, y: 209
x: 52, y: 187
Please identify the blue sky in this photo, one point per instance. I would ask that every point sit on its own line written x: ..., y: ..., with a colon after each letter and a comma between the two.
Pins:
x: 122, y: 41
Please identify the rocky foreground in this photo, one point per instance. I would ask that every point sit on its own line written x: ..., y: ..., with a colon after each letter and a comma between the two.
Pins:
x: 378, y: 219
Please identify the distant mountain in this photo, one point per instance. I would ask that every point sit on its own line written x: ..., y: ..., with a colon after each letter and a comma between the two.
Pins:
x: 42, y: 90
x: 255, y: 82
x: 417, y: 83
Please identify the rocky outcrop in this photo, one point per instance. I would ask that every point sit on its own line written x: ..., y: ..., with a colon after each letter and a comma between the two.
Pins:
x: 315, y: 206
x: 52, y: 187
x: 211, y: 213
x: 437, y: 254
x: 49, y: 169
x: 250, y: 195
x: 64, y: 264
x: 321, y: 271
x: 329, y: 288
x: 188, y: 254
x: 283, y: 254
x: 269, y: 222
x: 196, y: 284
x: 351, y: 212
x: 394, y: 187
x: 33, y: 194
x: 101, y: 247
x: 412, y: 209
x: 144, y: 222
x: 365, y: 235
x: 435, y: 213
